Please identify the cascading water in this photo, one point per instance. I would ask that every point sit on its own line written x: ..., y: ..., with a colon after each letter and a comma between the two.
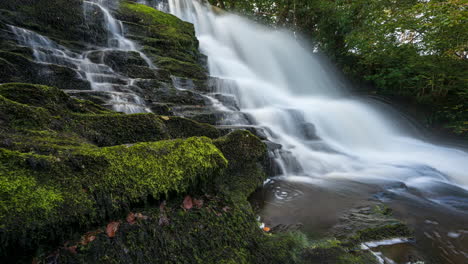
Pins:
x: 285, y: 89
x: 102, y: 78
x: 325, y: 134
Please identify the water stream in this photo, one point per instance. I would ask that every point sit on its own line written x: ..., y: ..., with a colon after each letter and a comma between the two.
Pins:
x: 329, y: 139
x: 118, y: 89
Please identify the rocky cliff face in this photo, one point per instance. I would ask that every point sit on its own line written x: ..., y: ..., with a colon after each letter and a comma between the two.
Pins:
x: 83, y: 183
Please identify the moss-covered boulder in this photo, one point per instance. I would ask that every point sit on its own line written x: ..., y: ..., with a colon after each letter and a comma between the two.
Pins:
x: 167, y: 39
x: 56, y: 180
x: 50, y: 196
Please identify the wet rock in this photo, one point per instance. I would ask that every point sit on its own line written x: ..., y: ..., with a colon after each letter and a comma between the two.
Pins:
x: 309, y: 131
x: 127, y: 63
x: 257, y: 131
x: 272, y: 146
x: 228, y: 100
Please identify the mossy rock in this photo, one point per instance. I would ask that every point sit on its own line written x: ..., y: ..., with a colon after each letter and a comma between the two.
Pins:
x: 50, y: 17
x: 217, y: 232
x: 47, y: 97
x: 179, y: 127
x: 245, y: 153
x: 127, y: 63
x: 17, y: 66
x: 170, y: 41
x: 36, y: 107
x: 85, y: 185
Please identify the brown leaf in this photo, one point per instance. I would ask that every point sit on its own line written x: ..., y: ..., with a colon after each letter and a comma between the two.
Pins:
x: 112, y: 228
x: 187, y: 204
x: 198, y: 203
x: 87, y: 239
x: 226, y: 209
x: 131, y: 218
x: 140, y: 216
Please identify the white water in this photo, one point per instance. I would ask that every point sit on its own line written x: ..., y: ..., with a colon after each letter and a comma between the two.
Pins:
x: 101, y: 77
x: 283, y: 86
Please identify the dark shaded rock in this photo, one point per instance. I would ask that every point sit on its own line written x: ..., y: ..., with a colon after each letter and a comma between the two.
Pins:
x: 309, y: 131
x: 127, y: 63
x: 179, y: 127
x: 257, y: 131
x: 49, y: 17
x: 18, y: 68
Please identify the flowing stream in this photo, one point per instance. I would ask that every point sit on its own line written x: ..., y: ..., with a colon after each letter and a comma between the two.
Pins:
x: 329, y: 139
x: 117, y: 88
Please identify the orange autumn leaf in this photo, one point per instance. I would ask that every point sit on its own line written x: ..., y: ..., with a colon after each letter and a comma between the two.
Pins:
x: 131, y: 218
x: 187, y: 204
x: 112, y: 228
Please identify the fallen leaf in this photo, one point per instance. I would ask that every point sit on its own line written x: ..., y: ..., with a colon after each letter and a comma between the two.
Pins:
x: 187, y: 204
x: 112, y: 228
x: 140, y: 216
x: 226, y: 209
x: 266, y: 229
x: 198, y: 203
x: 87, y: 239
x: 131, y: 218
x: 165, y: 118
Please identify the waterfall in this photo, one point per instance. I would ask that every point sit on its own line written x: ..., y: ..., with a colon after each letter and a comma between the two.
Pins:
x: 323, y: 133
x: 118, y: 89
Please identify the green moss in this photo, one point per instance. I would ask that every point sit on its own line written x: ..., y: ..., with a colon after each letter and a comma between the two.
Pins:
x: 50, y: 98
x: 382, y: 232
x: 159, y: 23
x: 182, y: 69
x: 155, y: 169
x: 170, y: 41
x: 245, y: 152
x: 179, y: 127
x: 334, y: 251
x: 51, y: 18
x: 20, y: 193
x: 116, y: 129
x: 13, y: 114
x: 85, y: 185
x: 241, y: 146
x: 218, y: 232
